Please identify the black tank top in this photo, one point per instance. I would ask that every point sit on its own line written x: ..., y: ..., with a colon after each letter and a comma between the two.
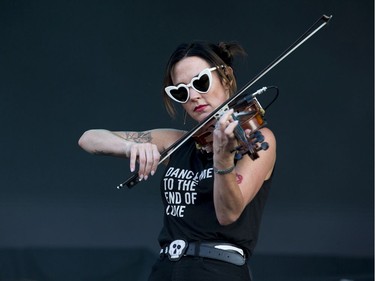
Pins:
x: 189, y: 213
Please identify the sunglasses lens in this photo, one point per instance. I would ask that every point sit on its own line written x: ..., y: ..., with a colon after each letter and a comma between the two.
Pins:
x: 180, y: 94
x: 202, y: 84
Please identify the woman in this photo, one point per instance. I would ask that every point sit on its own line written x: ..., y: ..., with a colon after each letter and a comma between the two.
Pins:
x: 213, y: 203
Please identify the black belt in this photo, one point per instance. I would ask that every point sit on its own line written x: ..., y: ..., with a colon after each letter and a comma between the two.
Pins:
x: 219, y: 251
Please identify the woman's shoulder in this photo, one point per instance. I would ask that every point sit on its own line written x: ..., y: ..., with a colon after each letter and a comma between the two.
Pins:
x: 268, y: 134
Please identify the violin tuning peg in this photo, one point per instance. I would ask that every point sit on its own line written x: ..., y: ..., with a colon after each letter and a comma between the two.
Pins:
x: 257, y: 137
x: 264, y: 146
x: 260, y: 138
x: 257, y: 133
x: 238, y: 156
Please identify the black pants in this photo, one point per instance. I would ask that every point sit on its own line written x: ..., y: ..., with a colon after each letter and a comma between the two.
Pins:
x: 197, y: 269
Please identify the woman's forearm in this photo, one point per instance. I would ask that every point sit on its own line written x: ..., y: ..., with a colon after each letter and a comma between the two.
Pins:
x: 104, y: 142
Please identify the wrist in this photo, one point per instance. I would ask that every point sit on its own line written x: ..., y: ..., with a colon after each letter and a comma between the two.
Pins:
x: 224, y: 171
x: 127, y: 149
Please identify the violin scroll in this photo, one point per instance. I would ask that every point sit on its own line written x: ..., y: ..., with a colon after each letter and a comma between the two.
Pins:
x: 250, y: 118
x: 254, y: 143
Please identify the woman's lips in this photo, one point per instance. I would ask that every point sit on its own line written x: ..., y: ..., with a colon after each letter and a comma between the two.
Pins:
x: 200, y: 108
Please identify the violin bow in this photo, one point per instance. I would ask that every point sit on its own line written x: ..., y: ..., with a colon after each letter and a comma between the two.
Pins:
x: 319, y: 24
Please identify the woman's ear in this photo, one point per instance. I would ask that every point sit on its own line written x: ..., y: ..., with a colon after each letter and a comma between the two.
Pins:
x: 228, y: 80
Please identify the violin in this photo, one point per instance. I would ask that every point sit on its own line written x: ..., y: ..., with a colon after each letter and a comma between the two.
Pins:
x: 250, y: 114
x: 247, y: 110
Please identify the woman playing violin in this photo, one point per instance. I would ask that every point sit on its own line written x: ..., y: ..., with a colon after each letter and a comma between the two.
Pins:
x: 212, y: 202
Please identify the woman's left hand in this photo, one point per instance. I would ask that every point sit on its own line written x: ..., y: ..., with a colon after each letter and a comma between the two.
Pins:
x: 224, y: 140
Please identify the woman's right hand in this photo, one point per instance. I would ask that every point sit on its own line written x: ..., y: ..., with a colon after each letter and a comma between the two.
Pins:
x: 146, y: 155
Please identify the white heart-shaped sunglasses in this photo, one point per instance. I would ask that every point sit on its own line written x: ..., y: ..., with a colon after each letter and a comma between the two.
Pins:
x: 201, y: 83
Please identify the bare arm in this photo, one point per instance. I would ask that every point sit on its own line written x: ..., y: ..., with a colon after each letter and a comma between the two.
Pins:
x: 142, y: 147
x: 104, y: 142
x: 234, y: 190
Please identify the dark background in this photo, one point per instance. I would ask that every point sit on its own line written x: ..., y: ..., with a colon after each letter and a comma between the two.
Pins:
x: 69, y: 66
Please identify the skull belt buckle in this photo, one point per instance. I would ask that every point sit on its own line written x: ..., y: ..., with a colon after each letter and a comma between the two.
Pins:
x: 177, y: 249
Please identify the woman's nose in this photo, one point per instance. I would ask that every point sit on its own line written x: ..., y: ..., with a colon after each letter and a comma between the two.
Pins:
x: 194, y: 94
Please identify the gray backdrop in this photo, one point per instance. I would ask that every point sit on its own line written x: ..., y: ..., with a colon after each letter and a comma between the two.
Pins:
x: 68, y: 66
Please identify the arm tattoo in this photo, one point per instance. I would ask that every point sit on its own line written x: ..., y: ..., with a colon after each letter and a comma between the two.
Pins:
x: 139, y: 137
x: 239, y: 178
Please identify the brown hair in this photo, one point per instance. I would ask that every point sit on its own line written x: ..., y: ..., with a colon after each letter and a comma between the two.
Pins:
x: 215, y: 55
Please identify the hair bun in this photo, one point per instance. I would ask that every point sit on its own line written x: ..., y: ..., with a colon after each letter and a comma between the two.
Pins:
x: 229, y: 50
